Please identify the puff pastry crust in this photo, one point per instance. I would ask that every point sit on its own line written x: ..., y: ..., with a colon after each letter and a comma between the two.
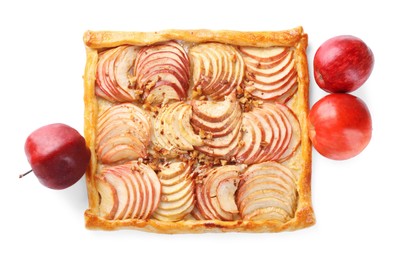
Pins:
x: 298, y: 162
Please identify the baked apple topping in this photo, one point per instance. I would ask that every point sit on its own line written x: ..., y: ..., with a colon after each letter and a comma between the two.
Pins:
x: 217, y: 69
x: 123, y: 133
x: 172, y: 131
x: 177, y: 199
x: 270, y: 73
x: 220, y: 122
x: 162, y: 72
x: 114, y: 71
x: 130, y: 190
x: 196, y: 131
x: 215, y: 192
x: 267, y: 191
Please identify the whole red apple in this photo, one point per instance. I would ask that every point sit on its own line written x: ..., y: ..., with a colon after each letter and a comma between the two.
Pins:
x: 340, y: 126
x: 342, y: 64
x: 58, y: 155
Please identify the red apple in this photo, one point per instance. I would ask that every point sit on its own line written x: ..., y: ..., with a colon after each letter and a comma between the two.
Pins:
x: 340, y: 126
x: 58, y: 155
x: 342, y: 64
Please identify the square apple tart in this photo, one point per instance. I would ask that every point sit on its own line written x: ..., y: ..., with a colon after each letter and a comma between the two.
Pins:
x: 198, y: 131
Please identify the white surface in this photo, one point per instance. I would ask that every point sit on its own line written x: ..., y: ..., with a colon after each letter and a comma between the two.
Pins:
x: 41, y: 66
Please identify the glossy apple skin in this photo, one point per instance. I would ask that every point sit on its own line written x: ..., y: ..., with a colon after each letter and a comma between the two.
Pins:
x: 342, y: 64
x: 58, y: 155
x: 340, y: 126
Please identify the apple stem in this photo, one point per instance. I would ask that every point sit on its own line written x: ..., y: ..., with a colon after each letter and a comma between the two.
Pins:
x: 26, y: 173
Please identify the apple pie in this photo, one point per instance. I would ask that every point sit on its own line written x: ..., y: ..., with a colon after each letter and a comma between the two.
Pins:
x: 198, y: 131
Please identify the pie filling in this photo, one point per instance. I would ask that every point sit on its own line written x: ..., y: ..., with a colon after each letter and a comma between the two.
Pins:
x: 199, y: 131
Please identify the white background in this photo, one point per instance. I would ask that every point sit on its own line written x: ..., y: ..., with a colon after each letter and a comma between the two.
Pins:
x: 42, y: 58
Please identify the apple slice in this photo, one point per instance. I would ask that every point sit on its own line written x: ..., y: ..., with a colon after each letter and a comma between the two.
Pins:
x: 162, y: 72
x: 272, y: 77
x: 113, y: 69
x: 270, y: 73
x: 267, y: 190
x: 283, y: 200
x: 216, y: 69
x: 225, y: 194
x: 140, y: 192
x: 183, y: 119
x: 264, y: 54
x: 296, y: 132
x: 214, y: 110
x: 121, y: 190
x: 172, y: 129
x: 215, y: 192
x: 109, y: 200
x: 177, y: 198
x: 269, y: 214
x: 135, y: 187
x: 284, y: 64
x: 254, y: 138
x: 123, y: 133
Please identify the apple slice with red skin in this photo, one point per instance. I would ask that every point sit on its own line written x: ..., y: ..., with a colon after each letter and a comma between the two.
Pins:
x: 284, y: 201
x: 172, y: 130
x: 220, y: 126
x: 274, y: 81
x: 133, y: 180
x: 264, y: 54
x: 123, y: 67
x: 226, y: 191
x: 162, y: 65
x: 214, y: 67
x: 132, y: 192
x: 109, y: 200
x: 177, y: 199
x: 215, y: 192
x: 267, y: 71
x: 114, y: 66
x: 264, y: 188
x: 114, y: 179
x: 212, y: 183
x: 256, y: 64
x: 222, y: 149
x: 123, y: 134
x: 279, y: 75
x: 281, y: 129
x: 295, y: 140
x: 248, y: 138
x: 214, y: 111
x: 102, y: 82
x: 281, y: 96
x: 128, y: 115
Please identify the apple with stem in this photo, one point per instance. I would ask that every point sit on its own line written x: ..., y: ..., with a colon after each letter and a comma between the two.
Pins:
x: 58, y: 155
